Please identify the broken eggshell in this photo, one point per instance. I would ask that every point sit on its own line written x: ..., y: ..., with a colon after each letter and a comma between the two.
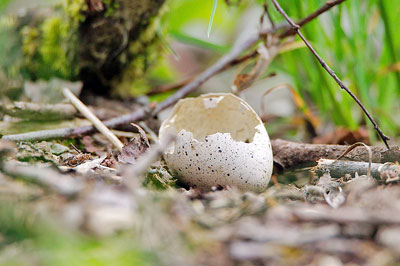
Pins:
x: 220, y: 141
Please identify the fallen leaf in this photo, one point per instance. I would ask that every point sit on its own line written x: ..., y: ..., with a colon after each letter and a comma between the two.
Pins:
x: 131, y: 151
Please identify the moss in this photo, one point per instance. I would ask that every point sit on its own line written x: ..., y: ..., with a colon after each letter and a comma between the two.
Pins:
x: 53, y: 50
x: 111, y: 7
x: 105, y: 49
x: 75, y: 10
x: 50, y: 46
x: 144, y: 52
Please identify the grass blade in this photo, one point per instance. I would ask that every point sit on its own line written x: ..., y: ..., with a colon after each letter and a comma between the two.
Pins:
x: 214, y: 8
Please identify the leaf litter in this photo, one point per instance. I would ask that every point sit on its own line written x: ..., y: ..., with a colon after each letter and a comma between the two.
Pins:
x: 350, y: 220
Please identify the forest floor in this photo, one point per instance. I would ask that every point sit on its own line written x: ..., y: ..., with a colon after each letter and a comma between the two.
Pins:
x: 68, y: 202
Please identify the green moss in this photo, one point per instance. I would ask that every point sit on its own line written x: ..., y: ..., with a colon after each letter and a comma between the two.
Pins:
x: 111, y: 7
x: 50, y: 48
x: 114, y: 48
x: 52, y: 51
x: 144, y: 52
x: 74, y: 9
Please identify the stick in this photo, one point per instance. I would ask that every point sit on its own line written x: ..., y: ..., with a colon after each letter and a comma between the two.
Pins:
x: 223, y: 63
x: 173, y: 86
x: 296, y: 28
x: 92, y: 118
x: 289, y: 155
x: 328, y: 5
x: 36, y: 111
x: 338, y: 169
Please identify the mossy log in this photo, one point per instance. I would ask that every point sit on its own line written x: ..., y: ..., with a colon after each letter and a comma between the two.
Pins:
x: 107, y: 44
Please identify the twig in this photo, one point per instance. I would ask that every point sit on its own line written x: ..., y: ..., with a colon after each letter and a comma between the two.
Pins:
x: 152, y: 134
x: 169, y: 87
x: 338, y: 169
x: 266, y: 11
x: 92, y: 118
x: 36, y: 111
x: 224, y: 62
x: 288, y: 154
x: 328, y: 5
x: 179, y: 84
x: 68, y: 132
x: 296, y: 28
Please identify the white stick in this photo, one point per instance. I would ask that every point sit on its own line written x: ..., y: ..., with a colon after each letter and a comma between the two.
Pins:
x: 92, y: 118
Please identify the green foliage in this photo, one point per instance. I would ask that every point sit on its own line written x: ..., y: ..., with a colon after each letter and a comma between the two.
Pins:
x: 48, y: 48
x: 354, y: 40
x: 358, y: 40
x: 3, y: 5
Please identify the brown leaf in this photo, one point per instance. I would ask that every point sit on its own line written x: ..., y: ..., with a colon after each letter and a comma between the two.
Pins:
x: 131, y: 151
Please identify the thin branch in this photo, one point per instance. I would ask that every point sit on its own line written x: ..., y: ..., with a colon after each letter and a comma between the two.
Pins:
x: 338, y: 169
x: 266, y: 11
x: 169, y: 87
x: 290, y: 155
x: 296, y: 28
x: 92, y: 118
x: 39, y: 111
x: 328, y: 5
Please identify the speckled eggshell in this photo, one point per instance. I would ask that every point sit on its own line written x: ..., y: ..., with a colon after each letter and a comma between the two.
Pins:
x: 220, y: 140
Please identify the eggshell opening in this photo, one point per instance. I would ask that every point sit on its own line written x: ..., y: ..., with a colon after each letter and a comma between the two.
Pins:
x: 220, y: 141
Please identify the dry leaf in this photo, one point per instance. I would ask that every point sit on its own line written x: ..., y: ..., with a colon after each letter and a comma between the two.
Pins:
x: 131, y: 151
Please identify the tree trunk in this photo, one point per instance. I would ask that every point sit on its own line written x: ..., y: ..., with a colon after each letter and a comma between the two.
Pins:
x: 104, y: 43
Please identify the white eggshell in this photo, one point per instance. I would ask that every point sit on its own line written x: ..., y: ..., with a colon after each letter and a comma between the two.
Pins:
x: 220, y: 140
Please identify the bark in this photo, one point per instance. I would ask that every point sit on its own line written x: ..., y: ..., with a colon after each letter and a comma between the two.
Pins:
x: 35, y: 111
x: 104, y: 43
x: 289, y: 154
x: 339, y: 168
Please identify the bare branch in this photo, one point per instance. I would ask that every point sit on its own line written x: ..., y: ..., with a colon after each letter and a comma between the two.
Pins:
x: 328, y: 5
x: 289, y: 155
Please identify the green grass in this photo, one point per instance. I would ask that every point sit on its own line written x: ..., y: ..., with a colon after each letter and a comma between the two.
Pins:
x: 358, y: 40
